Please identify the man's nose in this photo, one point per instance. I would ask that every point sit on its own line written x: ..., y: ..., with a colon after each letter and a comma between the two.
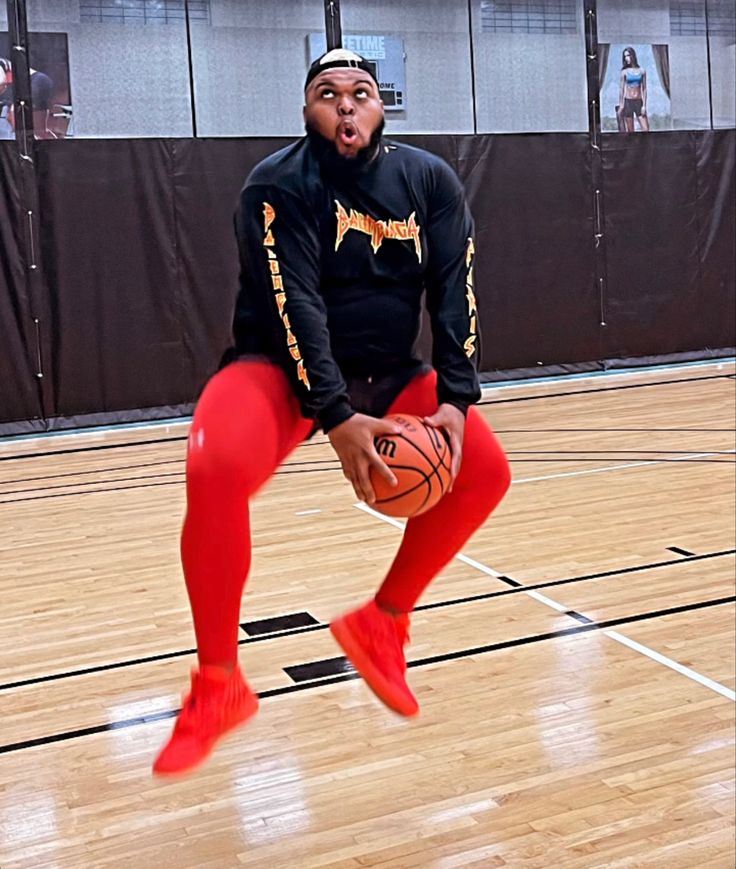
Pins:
x: 345, y: 106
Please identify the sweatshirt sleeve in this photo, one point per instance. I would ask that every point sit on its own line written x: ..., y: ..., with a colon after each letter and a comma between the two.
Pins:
x: 449, y: 283
x: 279, y: 242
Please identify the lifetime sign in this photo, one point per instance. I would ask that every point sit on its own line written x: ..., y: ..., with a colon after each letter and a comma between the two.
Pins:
x: 384, y: 53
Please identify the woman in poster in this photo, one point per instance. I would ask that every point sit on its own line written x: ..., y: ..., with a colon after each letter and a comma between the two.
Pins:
x: 632, y: 92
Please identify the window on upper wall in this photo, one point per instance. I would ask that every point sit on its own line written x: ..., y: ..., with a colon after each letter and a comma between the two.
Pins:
x: 653, y: 65
x: 529, y: 66
x: 689, y: 18
x: 721, y: 18
x: 142, y: 11
x: 528, y: 16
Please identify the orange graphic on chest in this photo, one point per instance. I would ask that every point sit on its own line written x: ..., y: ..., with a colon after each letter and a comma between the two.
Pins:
x: 378, y: 230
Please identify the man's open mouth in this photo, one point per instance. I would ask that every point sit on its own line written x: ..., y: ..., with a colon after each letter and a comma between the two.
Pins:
x: 347, y: 133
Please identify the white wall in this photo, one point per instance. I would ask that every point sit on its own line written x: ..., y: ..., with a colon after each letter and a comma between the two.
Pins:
x: 249, y: 64
x: 126, y: 80
x: 647, y: 22
x: 250, y: 68
x: 436, y: 34
x: 723, y: 77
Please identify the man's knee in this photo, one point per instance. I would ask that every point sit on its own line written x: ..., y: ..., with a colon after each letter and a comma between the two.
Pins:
x: 216, y: 458
x: 485, y: 463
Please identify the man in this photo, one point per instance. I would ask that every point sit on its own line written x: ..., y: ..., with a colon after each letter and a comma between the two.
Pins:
x: 42, y: 89
x: 6, y: 99
x: 340, y: 235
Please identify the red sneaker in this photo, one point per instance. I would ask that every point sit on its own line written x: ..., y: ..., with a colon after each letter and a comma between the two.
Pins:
x: 217, y: 703
x: 374, y: 642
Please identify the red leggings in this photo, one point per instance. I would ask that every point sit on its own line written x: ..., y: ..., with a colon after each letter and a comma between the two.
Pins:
x: 245, y: 424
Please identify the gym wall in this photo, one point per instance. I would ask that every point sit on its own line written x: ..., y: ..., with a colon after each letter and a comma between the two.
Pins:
x: 129, y: 309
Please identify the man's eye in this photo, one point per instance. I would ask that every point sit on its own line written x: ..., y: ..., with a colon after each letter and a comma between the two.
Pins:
x: 327, y: 93
x: 361, y: 92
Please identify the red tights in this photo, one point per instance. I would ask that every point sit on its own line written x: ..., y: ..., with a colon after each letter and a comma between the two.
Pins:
x: 245, y: 424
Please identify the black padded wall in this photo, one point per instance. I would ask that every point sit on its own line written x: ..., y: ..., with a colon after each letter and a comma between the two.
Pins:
x: 139, y: 264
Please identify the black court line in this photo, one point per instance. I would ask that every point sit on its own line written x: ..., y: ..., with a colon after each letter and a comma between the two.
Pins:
x: 70, y: 450
x: 163, y: 656
x: 603, y: 389
x: 579, y: 460
x: 276, y: 624
x: 679, y: 551
x: 570, y: 581
x: 509, y: 581
x: 279, y: 473
x: 344, y: 677
x: 518, y: 588
x: 615, y: 452
x: 88, y: 483
x: 494, y: 401
x: 644, y: 430
x: 579, y: 617
x: 283, y: 471
x: 115, y: 469
x: 112, y: 470
x: 126, y: 479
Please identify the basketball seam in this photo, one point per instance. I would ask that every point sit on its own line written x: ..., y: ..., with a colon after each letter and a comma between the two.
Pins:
x: 444, y: 438
x: 413, y: 488
x: 429, y: 462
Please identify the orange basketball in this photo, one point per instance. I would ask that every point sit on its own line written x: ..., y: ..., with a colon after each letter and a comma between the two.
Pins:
x: 420, y: 460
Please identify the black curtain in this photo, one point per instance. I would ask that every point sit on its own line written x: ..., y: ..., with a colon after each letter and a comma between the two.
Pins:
x: 670, y: 243
x: 140, y: 266
x: 19, y: 384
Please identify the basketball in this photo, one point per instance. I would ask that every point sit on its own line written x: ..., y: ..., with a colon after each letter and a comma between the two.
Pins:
x: 420, y: 459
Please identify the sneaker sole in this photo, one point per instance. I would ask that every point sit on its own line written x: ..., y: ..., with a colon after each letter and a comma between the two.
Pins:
x: 184, y: 771
x: 374, y: 679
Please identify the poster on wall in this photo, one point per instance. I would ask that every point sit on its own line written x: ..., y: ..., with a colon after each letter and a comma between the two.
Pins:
x: 50, y: 87
x: 635, y: 87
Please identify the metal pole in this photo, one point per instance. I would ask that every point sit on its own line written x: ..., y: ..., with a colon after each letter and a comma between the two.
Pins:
x: 18, y: 33
x: 37, y: 329
x: 191, y: 69
x: 590, y: 11
x: 333, y: 27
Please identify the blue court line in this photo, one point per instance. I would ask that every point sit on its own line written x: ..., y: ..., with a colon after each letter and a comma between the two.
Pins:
x: 609, y: 372
x: 98, y: 429
x: 501, y: 384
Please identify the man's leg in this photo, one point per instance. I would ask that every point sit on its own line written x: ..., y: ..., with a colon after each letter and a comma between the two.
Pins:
x: 433, y: 539
x: 374, y: 635
x: 246, y: 422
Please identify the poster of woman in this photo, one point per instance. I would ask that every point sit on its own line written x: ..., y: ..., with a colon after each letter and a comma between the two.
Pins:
x: 635, y: 87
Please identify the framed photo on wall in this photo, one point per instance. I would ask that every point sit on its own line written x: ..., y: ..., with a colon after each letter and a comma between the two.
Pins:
x: 635, y: 87
x: 50, y: 86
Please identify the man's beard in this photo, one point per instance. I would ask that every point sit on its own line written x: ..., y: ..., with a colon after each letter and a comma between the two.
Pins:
x: 333, y: 161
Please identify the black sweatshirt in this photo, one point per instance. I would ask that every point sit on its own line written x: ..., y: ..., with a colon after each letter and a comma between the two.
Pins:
x: 333, y: 267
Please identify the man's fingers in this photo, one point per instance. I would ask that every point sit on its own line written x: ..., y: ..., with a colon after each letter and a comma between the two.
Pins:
x: 357, y: 488
x: 456, y: 452
x: 383, y: 469
x: 385, y: 427
x: 369, y: 496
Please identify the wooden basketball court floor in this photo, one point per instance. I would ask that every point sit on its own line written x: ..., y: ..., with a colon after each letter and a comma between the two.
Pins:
x: 575, y: 666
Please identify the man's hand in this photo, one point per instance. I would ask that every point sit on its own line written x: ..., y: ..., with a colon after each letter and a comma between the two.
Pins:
x: 452, y: 422
x: 352, y: 440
